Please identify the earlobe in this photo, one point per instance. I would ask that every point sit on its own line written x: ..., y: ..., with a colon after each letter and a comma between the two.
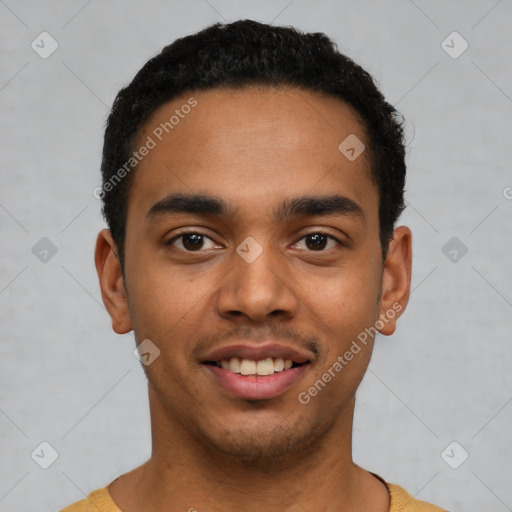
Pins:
x: 396, y: 280
x: 111, y: 282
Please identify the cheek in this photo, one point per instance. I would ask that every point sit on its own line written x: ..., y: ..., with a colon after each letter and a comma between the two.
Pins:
x: 163, y: 300
x: 342, y: 309
x: 346, y: 303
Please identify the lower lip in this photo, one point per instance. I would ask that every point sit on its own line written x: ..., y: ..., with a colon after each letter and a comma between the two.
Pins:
x: 256, y: 387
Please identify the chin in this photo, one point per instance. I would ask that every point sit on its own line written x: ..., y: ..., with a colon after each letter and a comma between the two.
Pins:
x: 259, y: 446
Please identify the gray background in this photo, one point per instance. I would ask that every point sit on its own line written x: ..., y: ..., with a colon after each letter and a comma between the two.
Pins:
x: 68, y: 379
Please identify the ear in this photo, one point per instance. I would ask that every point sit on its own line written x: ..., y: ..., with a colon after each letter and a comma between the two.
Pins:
x: 396, y: 280
x: 111, y: 282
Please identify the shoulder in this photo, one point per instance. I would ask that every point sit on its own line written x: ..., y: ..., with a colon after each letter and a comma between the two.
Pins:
x: 97, y: 501
x: 402, y: 501
x: 79, y: 506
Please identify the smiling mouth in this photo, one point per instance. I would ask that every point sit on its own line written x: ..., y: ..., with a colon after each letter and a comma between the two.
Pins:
x: 261, y: 368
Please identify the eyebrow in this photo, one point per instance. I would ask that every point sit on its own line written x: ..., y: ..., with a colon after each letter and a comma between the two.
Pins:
x: 200, y: 204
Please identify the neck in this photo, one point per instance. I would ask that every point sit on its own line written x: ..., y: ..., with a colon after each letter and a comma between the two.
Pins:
x: 184, y: 474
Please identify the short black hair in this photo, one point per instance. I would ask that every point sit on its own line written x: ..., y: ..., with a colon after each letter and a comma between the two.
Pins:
x: 248, y: 53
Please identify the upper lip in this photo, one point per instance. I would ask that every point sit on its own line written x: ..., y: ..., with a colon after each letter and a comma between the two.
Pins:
x: 256, y: 353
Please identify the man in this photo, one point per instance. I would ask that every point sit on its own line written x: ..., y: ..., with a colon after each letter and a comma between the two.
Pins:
x: 252, y: 178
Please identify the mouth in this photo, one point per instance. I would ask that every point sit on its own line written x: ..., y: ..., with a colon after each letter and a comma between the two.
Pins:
x: 256, y: 372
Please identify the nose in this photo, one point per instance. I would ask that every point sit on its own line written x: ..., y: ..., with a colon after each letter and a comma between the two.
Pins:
x: 257, y: 289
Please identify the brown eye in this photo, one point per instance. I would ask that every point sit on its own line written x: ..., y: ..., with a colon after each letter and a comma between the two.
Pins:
x: 190, y: 241
x: 317, y: 242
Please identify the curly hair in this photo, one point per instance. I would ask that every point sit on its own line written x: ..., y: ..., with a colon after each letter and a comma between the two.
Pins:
x: 249, y: 53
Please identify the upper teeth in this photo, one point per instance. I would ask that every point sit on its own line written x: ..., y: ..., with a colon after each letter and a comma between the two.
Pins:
x: 250, y: 367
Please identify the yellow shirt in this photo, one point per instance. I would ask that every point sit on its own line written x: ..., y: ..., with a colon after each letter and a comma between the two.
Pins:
x: 401, y: 501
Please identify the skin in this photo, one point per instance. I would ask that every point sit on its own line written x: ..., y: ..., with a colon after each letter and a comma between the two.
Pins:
x: 253, y: 148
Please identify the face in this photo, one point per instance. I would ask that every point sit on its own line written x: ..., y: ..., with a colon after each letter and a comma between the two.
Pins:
x: 271, y: 253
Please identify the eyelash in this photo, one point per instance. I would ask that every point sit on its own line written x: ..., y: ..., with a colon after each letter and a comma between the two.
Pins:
x: 193, y: 232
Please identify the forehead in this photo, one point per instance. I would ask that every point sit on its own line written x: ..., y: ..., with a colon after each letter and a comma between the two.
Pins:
x: 249, y: 144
